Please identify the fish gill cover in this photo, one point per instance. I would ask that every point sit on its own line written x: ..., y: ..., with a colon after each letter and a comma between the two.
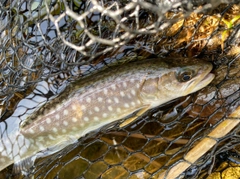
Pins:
x: 47, y: 44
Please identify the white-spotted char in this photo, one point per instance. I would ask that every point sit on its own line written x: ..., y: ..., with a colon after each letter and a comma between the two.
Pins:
x: 106, y: 97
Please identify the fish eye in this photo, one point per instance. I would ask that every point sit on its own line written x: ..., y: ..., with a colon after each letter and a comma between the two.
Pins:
x: 185, y: 76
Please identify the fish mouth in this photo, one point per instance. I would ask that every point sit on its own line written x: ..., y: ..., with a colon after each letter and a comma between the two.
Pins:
x: 207, y: 77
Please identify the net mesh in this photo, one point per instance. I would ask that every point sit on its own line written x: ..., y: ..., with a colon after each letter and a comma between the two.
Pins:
x: 44, y: 45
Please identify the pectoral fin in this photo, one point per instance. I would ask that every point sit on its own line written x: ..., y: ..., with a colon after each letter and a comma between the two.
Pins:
x: 133, y: 118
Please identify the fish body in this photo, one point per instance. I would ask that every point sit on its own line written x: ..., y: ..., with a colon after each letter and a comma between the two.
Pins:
x: 105, y: 97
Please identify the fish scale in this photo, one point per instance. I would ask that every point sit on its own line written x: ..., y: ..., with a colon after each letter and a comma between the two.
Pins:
x: 103, y: 98
x: 83, y: 111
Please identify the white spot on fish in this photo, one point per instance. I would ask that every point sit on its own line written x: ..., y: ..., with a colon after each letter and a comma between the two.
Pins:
x: 48, y: 120
x: 31, y: 131
x: 104, y: 115
x: 105, y: 91
x: 116, y: 100
x: 119, y: 110
x: 100, y: 99
x: 74, y: 119
x: 124, y: 84
x: 41, y: 128
x: 96, y: 118
x: 40, y: 138
x: 96, y: 109
x: 126, y: 105
x: 82, y: 124
x: 58, y: 106
x: 133, y: 103
x: 65, y: 112
x: 86, y: 119
x: 90, y: 112
x: 109, y: 100
x: 133, y: 92
x: 40, y: 145
x: 129, y: 96
x: 57, y: 124
x: 75, y: 128
x: 51, y: 137
x: 65, y: 123
x: 57, y: 116
x: 64, y: 130
x: 110, y: 108
x: 113, y: 87
x: 122, y: 93
x: 138, y: 85
x: 55, y: 129
x: 74, y: 107
x: 138, y: 101
x: 83, y: 107
x: 88, y: 99
x: 132, y: 80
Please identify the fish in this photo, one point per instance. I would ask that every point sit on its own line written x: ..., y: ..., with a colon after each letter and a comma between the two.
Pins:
x: 100, y: 99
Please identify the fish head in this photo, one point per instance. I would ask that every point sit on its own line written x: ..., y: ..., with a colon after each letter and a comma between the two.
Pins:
x: 177, y: 79
x: 185, y: 79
